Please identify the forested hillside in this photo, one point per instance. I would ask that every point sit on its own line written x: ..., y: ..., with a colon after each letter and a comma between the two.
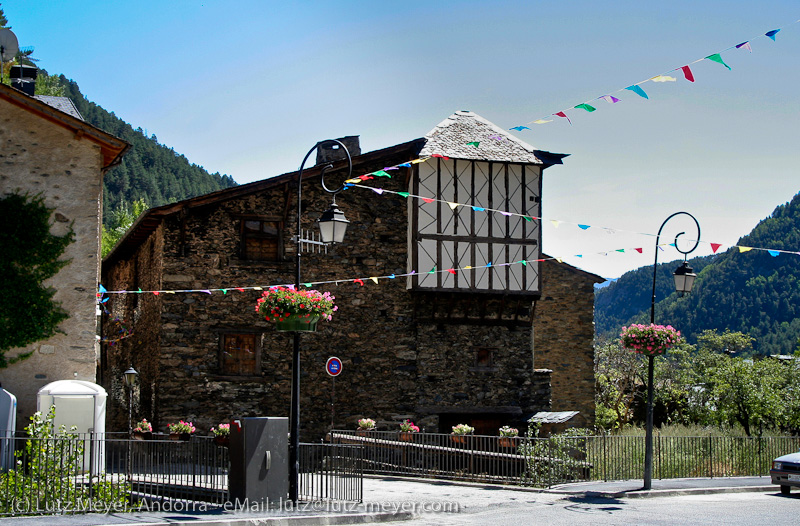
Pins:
x: 753, y: 292
x: 629, y: 296
x: 149, y: 171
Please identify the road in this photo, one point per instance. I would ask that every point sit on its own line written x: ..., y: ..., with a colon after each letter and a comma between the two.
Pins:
x: 729, y: 509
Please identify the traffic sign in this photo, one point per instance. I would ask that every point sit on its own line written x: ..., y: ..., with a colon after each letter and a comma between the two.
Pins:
x: 334, y: 366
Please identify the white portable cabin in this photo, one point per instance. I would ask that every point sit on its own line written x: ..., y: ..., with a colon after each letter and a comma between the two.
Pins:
x: 8, y: 423
x: 81, y: 404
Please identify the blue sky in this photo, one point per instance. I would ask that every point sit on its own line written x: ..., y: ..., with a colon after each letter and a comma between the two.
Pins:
x: 247, y: 88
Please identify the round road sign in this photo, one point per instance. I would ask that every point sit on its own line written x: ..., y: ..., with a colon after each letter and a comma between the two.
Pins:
x: 334, y: 366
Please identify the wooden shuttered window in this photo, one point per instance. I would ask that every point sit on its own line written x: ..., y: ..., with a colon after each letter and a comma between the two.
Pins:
x: 261, y: 240
x: 240, y: 354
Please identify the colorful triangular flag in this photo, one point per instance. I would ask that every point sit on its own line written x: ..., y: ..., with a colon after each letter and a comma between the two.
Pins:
x: 637, y: 90
x: 716, y: 57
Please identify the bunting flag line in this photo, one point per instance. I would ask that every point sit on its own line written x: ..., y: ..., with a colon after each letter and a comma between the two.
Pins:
x: 663, y: 77
x: 376, y: 279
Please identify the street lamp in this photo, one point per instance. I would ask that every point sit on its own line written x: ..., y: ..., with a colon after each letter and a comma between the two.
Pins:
x: 684, y: 279
x: 332, y: 226
x: 130, y: 378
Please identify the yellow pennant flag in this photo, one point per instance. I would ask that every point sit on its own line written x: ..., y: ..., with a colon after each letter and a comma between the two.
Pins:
x: 355, y: 180
x: 555, y: 222
x: 663, y: 78
x: 257, y: 288
x: 467, y: 267
x: 542, y: 121
x: 373, y: 278
x: 452, y: 206
x: 559, y: 260
x: 745, y: 249
x: 417, y: 161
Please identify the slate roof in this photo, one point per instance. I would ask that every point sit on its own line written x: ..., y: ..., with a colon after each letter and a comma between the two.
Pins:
x: 62, y: 104
x: 452, y: 136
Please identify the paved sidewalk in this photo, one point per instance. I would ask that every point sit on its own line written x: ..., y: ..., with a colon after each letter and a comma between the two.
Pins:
x: 389, y: 499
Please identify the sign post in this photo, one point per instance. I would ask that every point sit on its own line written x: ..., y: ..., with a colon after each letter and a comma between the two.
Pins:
x: 334, y: 368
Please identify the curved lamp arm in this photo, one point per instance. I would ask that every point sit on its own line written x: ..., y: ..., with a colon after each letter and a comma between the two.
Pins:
x: 655, y: 263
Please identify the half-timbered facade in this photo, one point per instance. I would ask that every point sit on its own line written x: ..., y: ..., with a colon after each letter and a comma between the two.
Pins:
x: 453, y: 345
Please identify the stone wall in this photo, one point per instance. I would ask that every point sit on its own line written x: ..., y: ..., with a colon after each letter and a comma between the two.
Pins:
x: 563, y: 337
x: 40, y: 157
x: 394, y: 365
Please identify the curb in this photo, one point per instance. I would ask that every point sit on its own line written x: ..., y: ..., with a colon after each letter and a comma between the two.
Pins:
x: 642, y: 494
x: 305, y: 520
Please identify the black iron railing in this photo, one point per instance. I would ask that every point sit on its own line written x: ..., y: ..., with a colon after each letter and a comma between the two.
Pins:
x: 545, y: 462
x: 331, y: 472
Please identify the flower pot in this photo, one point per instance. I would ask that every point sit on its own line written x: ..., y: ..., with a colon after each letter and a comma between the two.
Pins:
x: 222, y: 441
x: 142, y: 435
x: 459, y: 439
x: 507, y: 441
x: 405, y: 436
x: 182, y: 437
x: 363, y: 432
x: 297, y: 322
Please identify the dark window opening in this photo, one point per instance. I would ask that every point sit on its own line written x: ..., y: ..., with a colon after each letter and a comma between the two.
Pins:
x: 240, y: 355
x: 484, y: 358
x: 261, y: 240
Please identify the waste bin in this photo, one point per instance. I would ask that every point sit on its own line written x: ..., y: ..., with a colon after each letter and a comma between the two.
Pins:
x: 259, y: 454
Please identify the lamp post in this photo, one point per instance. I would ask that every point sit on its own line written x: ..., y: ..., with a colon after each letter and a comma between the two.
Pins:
x: 130, y: 378
x: 684, y: 279
x: 332, y: 226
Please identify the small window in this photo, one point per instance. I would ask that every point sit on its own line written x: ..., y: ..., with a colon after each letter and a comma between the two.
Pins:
x: 240, y: 355
x: 261, y: 240
x: 483, y: 358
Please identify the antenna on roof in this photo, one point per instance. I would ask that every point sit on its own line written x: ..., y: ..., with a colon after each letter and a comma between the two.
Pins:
x: 9, y: 47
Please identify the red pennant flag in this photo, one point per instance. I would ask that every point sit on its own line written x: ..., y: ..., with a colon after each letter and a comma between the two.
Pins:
x: 564, y: 115
x: 688, y: 73
x: 715, y: 247
x: 639, y: 250
x: 441, y: 156
x: 240, y: 289
x: 451, y: 271
x: 155, y: 292
x: 428, y: 199
x: 358, y: 281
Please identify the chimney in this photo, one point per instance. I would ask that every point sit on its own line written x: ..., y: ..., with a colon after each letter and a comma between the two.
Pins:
x: 23, y: 77
x: 330, y: 151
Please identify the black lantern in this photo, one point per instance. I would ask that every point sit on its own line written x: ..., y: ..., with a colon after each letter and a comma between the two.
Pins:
x: 130, y: 376
x: 332, y: 224
x: 684, y: 278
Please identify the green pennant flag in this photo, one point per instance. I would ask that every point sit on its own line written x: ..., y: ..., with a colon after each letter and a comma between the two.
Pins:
x: 586, y: 107
x: 716, y: 57
x: 528, y: 218
x: 381, y: 173
x: 224, y: 291
x: 524, y: 263
x: 433, y: 270
x: 307, y: 284
x: 473, y: 143
x: 404, y: 194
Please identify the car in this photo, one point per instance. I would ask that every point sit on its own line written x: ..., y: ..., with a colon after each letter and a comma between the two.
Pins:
x: 785, y: 472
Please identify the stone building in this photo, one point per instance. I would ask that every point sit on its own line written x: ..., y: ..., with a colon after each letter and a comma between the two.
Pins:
x: 448, y: 311
x: 46, y: 148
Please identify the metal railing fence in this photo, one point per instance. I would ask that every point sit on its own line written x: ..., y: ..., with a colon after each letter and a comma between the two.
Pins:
x: 544, y: 462
x: 331, y: 472
x: 81, y: 473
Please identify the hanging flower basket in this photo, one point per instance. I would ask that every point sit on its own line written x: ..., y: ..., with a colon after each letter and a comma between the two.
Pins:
x: 405, y: 436
x: 650, y: 340
x: 295, y: 310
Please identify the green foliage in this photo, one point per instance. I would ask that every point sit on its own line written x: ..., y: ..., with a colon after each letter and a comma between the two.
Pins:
x: 121, y: 219
x: 3, y: 19
x: 47, y: 475
x: 30, y: 256
x: 556, y: 459
x: 752, y: 293
x: 700, y: 385
x: 48, y: 85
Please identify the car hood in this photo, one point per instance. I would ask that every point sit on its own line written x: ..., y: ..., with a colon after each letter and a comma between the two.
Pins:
x: 791, y: 457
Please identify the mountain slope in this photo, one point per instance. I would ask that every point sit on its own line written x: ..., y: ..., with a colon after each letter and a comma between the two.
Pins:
x: 752, y: 292
x: 149, y: 171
